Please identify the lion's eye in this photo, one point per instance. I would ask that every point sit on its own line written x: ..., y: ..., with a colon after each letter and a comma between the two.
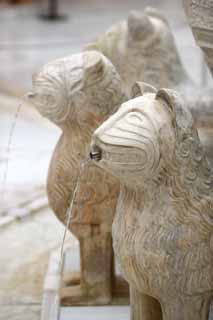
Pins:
x: 135, y: 118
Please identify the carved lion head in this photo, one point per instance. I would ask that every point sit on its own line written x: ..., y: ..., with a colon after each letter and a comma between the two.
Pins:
x: 77, y: 88
x: 149, y: 137
x: 142, y: 48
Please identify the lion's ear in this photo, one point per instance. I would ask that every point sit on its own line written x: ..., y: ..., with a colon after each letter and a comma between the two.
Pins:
x: 93, y: 63
x: 175, y: 102
x: 93, y: 46
x: 154, y: 13
x: 140, y: 88
x: 168, y: 96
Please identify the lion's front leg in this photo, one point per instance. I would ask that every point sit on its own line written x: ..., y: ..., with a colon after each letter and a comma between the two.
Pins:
x: 93, y: 286
x: 144, y: 307
x: 96, y: 264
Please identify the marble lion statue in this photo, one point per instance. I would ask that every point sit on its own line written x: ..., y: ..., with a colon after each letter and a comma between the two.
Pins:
x: 163, y: 227
x: 142, y: 48
x: 77, y: 93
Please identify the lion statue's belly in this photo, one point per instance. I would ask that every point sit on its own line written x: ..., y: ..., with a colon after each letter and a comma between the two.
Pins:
x: 156, y: 251
x: 142, y: 266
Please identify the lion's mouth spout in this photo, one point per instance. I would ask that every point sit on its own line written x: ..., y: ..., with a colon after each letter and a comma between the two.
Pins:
x: 95, y: 153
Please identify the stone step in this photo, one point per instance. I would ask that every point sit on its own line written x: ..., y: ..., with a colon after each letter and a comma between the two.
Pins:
x: 91, y: 313
x: 100, y: 313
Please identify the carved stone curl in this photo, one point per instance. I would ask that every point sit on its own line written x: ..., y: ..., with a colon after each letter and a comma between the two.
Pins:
x: 78, y: 93
x: 200, y: 16
x: 163, y: 228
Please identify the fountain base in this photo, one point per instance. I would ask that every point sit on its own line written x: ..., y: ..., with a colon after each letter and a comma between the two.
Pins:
x: 64, y: 289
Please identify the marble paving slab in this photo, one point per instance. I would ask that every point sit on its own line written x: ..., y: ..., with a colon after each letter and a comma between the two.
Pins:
x: 91, y: 313
x: 100, y: 313
x: 20, y: 312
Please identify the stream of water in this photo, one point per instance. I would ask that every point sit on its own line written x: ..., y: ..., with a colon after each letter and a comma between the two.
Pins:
x: 5, y: 178
x: 69, y: 211
x: 8, y: 148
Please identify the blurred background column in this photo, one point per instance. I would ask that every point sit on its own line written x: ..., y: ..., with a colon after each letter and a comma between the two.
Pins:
x: 18, y: 1
x: 50, y: 10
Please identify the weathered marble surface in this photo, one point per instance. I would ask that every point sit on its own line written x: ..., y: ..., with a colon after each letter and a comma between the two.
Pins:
x: 162, y: 231
x: 25, y: 49
x: 102, y: 313
x: 66, y: 92
x: 90, y: 313
x: 77, y: 93
x: 142, y: 48
x: 200, y: 17
x: 17, y: 312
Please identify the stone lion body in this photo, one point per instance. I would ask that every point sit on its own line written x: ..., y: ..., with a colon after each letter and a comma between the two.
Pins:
x: 163, y: 228
x: 142, y: 48
x: 77, y: 93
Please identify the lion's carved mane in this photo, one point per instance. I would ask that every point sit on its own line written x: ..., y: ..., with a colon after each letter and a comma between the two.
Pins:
x: 163, y: 228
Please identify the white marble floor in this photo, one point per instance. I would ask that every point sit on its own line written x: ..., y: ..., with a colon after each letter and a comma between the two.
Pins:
x: 100, y: 313
x: 91, y: 313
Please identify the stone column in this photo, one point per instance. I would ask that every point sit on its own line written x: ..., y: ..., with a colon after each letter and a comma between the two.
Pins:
x: 200, y: 17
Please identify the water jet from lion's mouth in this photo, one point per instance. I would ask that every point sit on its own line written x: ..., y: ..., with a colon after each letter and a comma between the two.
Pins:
x: 9, y: 144
x: 70, y: 210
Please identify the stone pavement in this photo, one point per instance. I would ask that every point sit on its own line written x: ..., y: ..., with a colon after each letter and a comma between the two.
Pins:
x: 100, y: 313
x: 25, y: 243
x: 91, y: 313
x: 25, y: 247
x: 23, y: 168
